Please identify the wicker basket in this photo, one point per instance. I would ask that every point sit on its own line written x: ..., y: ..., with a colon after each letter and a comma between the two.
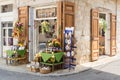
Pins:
x: 45, y: 71
x: 34, y: 69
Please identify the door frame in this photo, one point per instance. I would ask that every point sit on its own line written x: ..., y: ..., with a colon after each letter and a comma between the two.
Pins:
x: 109, y: 12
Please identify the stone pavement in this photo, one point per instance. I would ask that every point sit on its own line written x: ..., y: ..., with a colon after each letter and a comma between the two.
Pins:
x: 102, y: 61
x: 24, y: 69
x: 79, y: 68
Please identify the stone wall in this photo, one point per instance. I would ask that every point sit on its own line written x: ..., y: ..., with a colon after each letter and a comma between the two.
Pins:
x: 118, y: 27
x: 82, y: 21
x: 36, y: 2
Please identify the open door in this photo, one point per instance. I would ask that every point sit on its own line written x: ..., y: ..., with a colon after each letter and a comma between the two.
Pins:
x: 68, y: 15
x: 23, y: 16
x: 112, y: 35
x: 95, y: 35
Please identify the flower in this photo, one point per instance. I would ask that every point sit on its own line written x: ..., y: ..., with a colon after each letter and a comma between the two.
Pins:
x: 18, y: 32
x: 54, y: 43
x: 18, y: 29
x: 19, y: 26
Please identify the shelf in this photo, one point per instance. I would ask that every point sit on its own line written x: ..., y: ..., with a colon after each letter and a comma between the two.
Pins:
x: 46, y: 18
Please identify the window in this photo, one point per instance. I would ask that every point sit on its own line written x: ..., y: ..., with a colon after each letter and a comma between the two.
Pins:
x: 7, y: 8
x: 7, y: 28
x: 102, y: 15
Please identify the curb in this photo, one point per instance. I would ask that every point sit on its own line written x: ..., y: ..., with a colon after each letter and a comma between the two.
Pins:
x: 79, y: 69
x: 50, y: 74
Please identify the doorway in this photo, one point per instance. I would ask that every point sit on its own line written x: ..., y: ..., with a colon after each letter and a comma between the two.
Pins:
x: 110, y: 41
x: 102, y: 35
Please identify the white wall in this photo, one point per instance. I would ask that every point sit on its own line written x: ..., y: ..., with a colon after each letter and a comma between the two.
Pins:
x: 9, y: 16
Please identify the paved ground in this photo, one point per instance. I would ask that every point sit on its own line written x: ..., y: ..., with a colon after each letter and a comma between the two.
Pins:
x: 110, y: 71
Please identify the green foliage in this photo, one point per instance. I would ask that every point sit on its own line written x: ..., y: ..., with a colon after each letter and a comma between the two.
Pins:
x: 103, y: 24
x: 45, y: 26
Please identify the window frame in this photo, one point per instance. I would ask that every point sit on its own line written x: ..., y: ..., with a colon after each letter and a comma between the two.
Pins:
x: 9, y: 8
x: 7, y: 28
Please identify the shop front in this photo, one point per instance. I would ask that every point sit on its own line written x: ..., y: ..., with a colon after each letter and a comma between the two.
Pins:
x: 48, y: 28
x: 44, y: 31
x: 92, y: 40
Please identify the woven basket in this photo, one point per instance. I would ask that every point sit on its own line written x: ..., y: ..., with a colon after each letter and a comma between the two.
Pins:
x: 44, y: 71
x: 34, y: 69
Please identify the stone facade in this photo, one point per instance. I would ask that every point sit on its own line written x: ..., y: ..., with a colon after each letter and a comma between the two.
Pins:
x: 82, y: 23
x: 83, y: 20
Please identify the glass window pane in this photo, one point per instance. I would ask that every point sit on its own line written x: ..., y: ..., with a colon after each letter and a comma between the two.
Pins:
x: 10, y: 41
x: 4, y: 24
x: 10, y: 24
x: 10, y: 32
x: 4, y: 41
x: 4, y: 32
x: 7, y: 8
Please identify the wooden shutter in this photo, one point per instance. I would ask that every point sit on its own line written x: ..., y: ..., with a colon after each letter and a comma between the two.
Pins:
x: 95, y: 35
x: 59, y: 20
x: 68, y: 15
x: 112, y: 35
x: 23, y: 16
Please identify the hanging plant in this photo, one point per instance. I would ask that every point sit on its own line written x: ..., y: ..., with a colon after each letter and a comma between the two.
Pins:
x: 18, y: 29
x: 103, y: 24
x: 45, y: 26
x: 18, y: 32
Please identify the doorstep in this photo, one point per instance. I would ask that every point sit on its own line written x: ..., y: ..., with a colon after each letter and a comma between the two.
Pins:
x: 24, y: 69
x: 102, y: 61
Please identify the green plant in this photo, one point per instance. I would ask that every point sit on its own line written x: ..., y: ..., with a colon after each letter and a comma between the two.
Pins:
x: 45, y: 26
x: 103, y: 24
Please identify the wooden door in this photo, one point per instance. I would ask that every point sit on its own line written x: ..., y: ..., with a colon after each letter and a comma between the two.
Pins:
x: 112, y: 35
x: 95, y: 35
x: 23, y: 16
x: 68, y: 15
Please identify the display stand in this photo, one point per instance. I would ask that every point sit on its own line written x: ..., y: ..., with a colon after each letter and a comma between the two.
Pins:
x: 68, y: 48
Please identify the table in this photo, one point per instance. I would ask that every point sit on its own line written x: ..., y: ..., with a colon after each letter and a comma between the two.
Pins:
x: 15, y: 60
x: 58, y: 59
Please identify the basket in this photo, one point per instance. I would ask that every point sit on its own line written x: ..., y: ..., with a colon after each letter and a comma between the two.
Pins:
x: 45, y: 71
x: 34, y: 69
